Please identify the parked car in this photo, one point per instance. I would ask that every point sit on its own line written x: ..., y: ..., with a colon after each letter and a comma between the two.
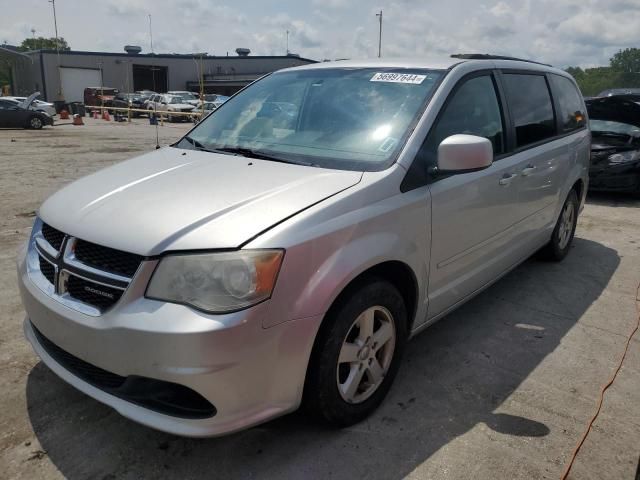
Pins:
x: 170, y: 103
x: 214, y: 100
x: 39, y: 105
x: 225, y: 280
x: 126, y: 100
x: 188, y: 97
x: 14, y: 114
x: 99, y: 96
x: 619, y: 91
x: 615, y: 147
x: 204, y: 110
x: 145, y: 95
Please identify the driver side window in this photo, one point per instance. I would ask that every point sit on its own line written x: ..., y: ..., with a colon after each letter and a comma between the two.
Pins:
x: 474, y: 110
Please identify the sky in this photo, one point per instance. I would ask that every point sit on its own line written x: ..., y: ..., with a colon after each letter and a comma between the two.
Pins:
x: 561, y: 32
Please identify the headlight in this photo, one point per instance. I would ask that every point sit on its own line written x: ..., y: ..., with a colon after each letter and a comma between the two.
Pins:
x: 624, y: 157
x: 216, y: 282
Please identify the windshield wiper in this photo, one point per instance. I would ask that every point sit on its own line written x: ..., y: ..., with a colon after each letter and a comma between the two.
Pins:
x: 196, y: 143
x: 261, y: 155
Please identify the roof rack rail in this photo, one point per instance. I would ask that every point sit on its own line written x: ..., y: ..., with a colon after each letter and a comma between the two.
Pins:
x: 488, y: 56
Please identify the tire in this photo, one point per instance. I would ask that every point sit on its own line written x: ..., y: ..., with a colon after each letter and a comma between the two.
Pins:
x: 35, y: 123
x: 565, y: 228
x: 330, y: 393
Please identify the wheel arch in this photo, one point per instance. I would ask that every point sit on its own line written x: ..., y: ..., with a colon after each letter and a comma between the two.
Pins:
x: 397, y: 273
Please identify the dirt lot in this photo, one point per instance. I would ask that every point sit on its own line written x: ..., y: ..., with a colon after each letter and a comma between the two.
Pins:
x: 502, y: 388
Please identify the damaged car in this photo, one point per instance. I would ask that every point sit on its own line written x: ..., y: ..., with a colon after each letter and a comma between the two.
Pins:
x: 615, y: 148
x: 15, y: 114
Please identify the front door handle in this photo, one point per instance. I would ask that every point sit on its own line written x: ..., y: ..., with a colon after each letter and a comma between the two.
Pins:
x: 528, y: 170
x: 506, y: 179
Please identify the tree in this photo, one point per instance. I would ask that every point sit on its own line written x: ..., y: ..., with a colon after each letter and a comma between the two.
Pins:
x: 627, y: 60
x: 42, y: 43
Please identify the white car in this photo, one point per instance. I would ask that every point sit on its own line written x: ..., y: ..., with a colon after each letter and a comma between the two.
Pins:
x: 188, y: 97
x: 170, y: 103
x: 37, y: 105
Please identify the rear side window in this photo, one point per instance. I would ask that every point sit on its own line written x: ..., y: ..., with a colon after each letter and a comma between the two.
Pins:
x: 572, y: 115
x: 473, y: 109
x: 530, y: 106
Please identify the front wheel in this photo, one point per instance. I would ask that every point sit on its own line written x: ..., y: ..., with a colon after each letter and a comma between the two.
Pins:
x: 357, y: 354
x: 35, y: 123
x: 562, y: 235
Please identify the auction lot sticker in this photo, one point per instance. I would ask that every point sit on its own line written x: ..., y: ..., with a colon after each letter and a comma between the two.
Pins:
x: 398, y: 78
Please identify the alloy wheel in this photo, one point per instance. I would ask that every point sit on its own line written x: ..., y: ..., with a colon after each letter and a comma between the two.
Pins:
x: 366, y: 354
x: 566, y: 224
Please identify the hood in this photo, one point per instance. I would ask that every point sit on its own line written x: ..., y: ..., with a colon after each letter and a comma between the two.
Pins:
x: 617, y: 108
x: 179, y: 105
x: 26, y: 103
x: 174, y: 199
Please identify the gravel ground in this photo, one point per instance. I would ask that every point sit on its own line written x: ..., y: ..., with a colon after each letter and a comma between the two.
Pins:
x: 501, y: 388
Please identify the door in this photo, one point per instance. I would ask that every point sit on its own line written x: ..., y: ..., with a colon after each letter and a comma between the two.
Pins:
x: 5, y: 113
x: 473, y: 214
x: 11, y: 115
x: 75, y: 80
x: 541, y: 155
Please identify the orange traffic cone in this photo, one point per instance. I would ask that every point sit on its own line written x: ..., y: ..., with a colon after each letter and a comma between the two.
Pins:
x: 106, y: 116
x: 77, y: 120
x: 64, y: 115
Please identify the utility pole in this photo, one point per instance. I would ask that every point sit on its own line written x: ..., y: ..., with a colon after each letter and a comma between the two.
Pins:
x: 379, y: 15
x: 287, y: 42
x: 55, y: 26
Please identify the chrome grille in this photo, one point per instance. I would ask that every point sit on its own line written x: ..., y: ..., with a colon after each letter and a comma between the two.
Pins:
x: 109, y: 259
x: 48, y: 270
x: 80, y: 274
x: 53, y: 236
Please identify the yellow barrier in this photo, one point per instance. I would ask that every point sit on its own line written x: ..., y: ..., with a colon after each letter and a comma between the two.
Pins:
x: 159, y: 113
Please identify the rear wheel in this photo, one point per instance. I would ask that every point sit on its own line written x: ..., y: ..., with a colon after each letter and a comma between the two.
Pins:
x: 357, y: 354
x: 35, y: 123
x: 562, y: 235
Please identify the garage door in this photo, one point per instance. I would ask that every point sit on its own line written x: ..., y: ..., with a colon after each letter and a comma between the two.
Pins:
x: 75, y: 80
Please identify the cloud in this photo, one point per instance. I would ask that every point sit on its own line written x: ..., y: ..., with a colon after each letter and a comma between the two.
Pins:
x: 331, y: 3
x: 561, y: 32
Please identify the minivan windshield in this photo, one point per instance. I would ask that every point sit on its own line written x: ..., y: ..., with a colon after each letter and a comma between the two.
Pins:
x: 343, y: 118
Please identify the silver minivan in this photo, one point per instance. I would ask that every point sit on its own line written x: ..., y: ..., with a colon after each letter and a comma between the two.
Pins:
x: 284, y: 250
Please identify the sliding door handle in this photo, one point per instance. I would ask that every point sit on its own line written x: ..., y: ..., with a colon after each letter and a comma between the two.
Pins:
x: 506, y: 179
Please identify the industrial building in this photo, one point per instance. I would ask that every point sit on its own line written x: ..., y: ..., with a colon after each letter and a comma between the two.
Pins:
x: 67, y: 74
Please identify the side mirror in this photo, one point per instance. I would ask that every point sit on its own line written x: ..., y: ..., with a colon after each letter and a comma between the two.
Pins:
x: 464, y: 153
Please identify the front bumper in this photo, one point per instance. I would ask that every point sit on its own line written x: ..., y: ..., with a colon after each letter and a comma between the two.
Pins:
x: 248, y: 373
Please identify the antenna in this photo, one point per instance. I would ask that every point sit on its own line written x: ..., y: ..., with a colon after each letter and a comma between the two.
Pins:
x: 153, y: 82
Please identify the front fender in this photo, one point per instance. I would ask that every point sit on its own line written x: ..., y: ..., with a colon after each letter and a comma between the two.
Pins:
x: 317, y: 270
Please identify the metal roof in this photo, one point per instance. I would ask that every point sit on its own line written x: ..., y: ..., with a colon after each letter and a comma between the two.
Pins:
x: 169, y: 55
x: 13, y: 54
